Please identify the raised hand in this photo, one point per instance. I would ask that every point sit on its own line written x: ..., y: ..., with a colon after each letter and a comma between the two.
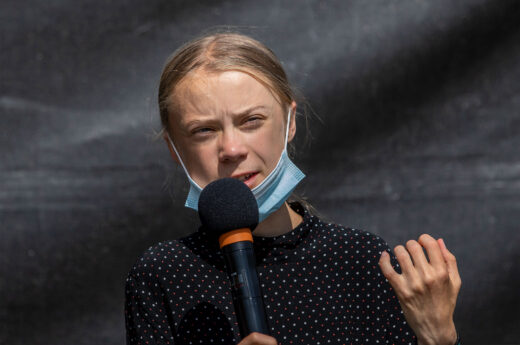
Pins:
x: 427, y: 289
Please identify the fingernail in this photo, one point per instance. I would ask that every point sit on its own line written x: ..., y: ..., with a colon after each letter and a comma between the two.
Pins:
x: 443, y: 244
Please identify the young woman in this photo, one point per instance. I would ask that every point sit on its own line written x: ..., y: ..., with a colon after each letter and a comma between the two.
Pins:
x: 228, y: 111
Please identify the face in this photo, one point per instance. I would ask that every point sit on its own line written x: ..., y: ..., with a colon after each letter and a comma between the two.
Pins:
x: 228, y: 125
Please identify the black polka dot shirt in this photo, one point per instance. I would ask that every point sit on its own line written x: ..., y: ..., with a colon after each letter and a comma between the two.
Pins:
x: 321, y: 284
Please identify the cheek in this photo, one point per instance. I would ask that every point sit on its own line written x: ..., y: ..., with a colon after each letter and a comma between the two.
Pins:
x: 269, y: 147
x: 201, y: 162
x: 205, y: 162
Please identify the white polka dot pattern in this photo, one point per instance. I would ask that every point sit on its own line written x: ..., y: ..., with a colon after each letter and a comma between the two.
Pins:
x: 321, y: 285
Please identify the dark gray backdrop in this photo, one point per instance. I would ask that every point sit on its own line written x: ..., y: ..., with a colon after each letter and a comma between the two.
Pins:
x: 420, y: 106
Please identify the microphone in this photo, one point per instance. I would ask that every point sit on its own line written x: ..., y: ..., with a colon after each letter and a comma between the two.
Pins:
x: 228, y: 209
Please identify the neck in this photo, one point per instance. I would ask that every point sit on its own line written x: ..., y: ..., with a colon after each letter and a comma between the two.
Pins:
x: 278, y: 223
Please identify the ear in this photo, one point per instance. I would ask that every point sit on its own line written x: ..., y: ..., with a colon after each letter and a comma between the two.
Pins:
x: 292, y: 123
x: 172, y: 151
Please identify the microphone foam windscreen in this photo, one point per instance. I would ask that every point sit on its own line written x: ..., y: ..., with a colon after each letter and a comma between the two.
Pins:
x: 227, y: 204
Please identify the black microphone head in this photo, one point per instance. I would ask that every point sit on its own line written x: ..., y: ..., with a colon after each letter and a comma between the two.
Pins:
x: 227, y: 204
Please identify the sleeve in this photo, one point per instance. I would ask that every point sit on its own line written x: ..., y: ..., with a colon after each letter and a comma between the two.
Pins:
x: 397, y: 330
x: 146, y: 316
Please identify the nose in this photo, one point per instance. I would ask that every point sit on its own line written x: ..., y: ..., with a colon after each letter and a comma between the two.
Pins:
x: 231, y: 147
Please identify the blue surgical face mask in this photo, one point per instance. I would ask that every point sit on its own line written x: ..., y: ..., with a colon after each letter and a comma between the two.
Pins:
x: 271, y: 193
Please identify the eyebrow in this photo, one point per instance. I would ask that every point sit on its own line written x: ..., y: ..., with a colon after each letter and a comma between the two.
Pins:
x: 241, y: 113
x: 249, y: 110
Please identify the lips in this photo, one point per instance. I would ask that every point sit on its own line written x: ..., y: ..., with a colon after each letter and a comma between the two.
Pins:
x: 247, y: 178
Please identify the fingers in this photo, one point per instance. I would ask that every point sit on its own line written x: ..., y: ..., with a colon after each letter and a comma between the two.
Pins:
x: 448, y: 257
x: 404, y: 260
x: 451, y: 262
x: 440, y: 267
x: 427, y: 289
x: 416, y: 252
x: 256, y: 338
x: 434, y: 271
x: 433, y: 249
x: 388, y: 271
x: 403, y: 257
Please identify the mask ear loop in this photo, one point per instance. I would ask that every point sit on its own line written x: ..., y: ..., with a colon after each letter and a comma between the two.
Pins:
x: 288, y: 125
x: 276, y: 168
x: 180, y: 160
x: 186, y: 170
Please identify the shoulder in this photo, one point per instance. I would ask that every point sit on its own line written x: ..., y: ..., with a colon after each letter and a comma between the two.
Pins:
x: 354, y: 240
x: 338, y: 233
x: 159, y: 258
x: 181, y: 257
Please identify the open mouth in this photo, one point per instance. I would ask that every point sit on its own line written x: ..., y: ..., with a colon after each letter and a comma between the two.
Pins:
x: 247, y: 178
x: 244, y: 178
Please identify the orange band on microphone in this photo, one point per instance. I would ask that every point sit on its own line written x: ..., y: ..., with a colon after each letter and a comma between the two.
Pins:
x: 233, y: 236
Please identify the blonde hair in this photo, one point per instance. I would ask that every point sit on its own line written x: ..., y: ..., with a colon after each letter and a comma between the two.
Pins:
x: 221, y: 52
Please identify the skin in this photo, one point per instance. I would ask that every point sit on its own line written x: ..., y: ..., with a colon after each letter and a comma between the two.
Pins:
x: 216, y: 137
x: 229, y: 123
x: 427, y: 289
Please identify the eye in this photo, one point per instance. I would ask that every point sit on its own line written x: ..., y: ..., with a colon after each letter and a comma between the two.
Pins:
x: 202, y: 131
x: 253, y: 121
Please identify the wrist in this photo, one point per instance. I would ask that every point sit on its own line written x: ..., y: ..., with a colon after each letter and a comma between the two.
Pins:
x: 448, y: 336
x: 457, y: 342
x: 451, y: 336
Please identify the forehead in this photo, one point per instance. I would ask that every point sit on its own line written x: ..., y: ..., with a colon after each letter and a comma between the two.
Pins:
x: 228, y: 92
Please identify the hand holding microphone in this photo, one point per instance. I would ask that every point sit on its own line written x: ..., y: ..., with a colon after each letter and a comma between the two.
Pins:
x: 258, y: 339
x: 228, y: 209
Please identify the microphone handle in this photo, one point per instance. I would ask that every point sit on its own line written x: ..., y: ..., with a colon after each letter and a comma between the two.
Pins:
x: 245, y: 287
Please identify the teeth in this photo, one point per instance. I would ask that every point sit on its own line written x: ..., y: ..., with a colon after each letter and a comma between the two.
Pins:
x: 244, y: 177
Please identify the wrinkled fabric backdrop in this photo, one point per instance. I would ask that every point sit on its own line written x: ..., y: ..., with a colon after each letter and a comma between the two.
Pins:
x: 419, y: 105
